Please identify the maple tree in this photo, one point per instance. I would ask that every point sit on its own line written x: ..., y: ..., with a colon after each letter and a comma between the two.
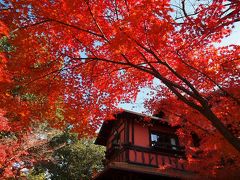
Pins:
x: 73, y: 61
x: 207, y: 151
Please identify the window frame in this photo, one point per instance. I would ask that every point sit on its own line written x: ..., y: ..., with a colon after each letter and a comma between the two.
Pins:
x: 169, y: 147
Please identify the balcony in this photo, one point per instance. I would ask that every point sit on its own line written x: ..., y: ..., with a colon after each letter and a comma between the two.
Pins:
x: 159, y: 155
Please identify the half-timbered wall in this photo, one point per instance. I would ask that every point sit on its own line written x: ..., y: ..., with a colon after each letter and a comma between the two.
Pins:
x: 140, y: 134
x: 119, y: 128
x: 140, y: 151
x: 134, y: 145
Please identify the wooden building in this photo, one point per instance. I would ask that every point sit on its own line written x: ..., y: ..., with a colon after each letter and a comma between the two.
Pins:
x: 141, y: 147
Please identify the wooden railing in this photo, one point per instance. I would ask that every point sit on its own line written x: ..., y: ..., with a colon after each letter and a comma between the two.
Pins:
x: 153, y: 156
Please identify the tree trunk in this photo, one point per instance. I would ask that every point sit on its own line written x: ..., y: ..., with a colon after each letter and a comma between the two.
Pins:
x: 221, y: 128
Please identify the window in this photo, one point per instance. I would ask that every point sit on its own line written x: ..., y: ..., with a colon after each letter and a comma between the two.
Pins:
x: 116, y: 139
x: 164, y: 141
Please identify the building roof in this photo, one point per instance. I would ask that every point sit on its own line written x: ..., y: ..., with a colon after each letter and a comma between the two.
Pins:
x: 108, y: 124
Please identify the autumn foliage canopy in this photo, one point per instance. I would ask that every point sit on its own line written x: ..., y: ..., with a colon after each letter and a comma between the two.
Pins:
x: 73, y: 61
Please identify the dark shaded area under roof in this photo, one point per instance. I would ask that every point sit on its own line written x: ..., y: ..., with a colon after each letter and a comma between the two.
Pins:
x: 127, y: 174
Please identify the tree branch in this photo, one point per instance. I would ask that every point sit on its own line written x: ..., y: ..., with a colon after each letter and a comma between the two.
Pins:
x: 210, y: 79
x: 95, y: 21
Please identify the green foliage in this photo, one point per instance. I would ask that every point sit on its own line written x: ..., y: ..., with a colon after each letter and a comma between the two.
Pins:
x: 69, y: 138
x: 29, y: 97
x: 40, y: 176
x: 59, y: 114
x: 5, y: 46
x: 16, y: 90
x: 71, y: 159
